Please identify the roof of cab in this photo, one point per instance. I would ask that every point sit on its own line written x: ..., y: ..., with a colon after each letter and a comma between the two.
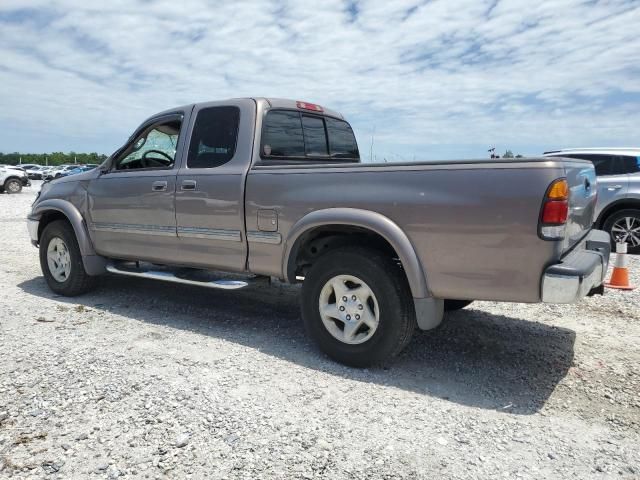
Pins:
x: 269, y: 103
x: 293, y: 105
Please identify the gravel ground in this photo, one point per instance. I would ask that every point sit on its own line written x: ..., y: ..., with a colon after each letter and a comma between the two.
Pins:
x: 142, y: 379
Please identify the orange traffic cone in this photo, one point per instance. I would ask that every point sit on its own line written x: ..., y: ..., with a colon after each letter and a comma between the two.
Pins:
x: 620, y: 276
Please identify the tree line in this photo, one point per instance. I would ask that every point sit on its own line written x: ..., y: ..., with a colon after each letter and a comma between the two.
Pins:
x: 54, y: 158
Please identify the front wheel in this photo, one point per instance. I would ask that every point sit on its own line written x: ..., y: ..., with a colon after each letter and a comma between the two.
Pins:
x: 357, y: 307
x: 13, y: 185
x: 61, y: 261
x: 624, y: 226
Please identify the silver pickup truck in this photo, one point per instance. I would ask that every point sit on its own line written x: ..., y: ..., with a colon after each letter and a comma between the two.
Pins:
x: 275, y: 188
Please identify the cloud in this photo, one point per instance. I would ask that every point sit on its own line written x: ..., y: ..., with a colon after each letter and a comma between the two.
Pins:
x: 432, y: 79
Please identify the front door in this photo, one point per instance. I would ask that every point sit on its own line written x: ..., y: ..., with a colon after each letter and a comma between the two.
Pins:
x: 210, y: 186
x: 132, y: 204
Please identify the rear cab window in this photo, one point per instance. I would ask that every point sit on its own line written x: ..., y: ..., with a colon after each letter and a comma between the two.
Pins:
x: 300, y: 137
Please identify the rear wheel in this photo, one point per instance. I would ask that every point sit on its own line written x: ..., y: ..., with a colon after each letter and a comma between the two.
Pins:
x: 451, y: 305
x: 357, y: 307
x: 624, y: 226
x: 13, y: 185
x: 61, y: 261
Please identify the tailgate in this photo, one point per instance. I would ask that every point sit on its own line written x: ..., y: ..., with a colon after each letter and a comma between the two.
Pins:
x: 581, y: 177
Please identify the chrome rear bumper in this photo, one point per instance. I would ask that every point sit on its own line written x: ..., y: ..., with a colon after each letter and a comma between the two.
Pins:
x: 579, y: 272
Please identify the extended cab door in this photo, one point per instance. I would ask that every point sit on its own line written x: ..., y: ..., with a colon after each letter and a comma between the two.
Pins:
x: 131, y: 205
x: 210, y: 186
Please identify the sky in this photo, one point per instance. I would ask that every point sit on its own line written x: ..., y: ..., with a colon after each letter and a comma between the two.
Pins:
x: 418, y: 80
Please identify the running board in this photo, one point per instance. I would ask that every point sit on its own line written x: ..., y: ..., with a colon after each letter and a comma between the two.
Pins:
x: 169, y: 276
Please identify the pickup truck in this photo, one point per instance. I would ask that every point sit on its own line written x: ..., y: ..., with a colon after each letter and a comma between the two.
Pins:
x: 219, y: 194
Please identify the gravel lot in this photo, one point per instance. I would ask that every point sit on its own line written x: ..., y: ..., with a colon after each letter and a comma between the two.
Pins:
x: 142, y: 379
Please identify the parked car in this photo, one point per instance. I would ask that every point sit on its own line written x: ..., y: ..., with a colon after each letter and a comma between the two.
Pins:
x: 618, y: 207
x: 34, y: 172
x: 272, y: 187
x: 12, y: 179
x: 78, y: 169
x: 57, y: 171
x: 23, y: 178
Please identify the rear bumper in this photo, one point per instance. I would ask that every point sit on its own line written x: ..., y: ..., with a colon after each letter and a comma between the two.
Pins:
x: 579, y: 272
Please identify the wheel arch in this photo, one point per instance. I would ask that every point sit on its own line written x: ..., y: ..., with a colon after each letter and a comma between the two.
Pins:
x: 56, y: 209
x: 12, y: 177
x: 335, y: 222
x: 616, y: 206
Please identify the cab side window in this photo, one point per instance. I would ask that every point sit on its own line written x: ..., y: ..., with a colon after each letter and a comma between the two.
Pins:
x: 214, y: 138
x: 153, y: 148
x: 608, y: 164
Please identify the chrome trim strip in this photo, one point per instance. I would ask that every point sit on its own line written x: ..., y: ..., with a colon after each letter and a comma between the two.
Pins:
x: 264, y: 237
x: 210, y: 233
x: 166, y: 231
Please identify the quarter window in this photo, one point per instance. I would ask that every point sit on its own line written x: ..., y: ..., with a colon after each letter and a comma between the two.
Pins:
x: 214, y: 138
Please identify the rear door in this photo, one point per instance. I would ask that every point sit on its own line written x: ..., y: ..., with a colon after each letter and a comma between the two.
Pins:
x: 210, y: 186
x: 131, y: 206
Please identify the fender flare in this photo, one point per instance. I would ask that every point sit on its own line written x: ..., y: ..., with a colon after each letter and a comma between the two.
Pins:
x: 94, y: 264
x: 366, y: 219
x: 74, y: 217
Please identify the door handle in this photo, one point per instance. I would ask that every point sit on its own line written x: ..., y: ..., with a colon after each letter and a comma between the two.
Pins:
x: 614, y: 187
x: 159, y: 186
x: 188, y: 185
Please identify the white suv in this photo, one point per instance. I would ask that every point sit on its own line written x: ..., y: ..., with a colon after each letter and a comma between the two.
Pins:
x: 618, y: 208
x: 12, y: 179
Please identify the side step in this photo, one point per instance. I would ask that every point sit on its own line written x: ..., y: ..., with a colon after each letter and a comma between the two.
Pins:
x: 200, y: 278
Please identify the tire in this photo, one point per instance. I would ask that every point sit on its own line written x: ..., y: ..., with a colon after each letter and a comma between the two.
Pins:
x: 390, y: 297
x: 616, y: 224
x: 452, y: 305
x: 13, y: 185
x: 70, y: 281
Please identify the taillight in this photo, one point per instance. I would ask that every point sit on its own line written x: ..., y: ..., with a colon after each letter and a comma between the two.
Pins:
x: 555, y: 210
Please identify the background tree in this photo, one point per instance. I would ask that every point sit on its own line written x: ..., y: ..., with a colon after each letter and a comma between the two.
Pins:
x: 54, y: 158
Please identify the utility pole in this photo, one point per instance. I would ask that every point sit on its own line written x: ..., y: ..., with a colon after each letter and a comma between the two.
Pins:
x: 371, y: 146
